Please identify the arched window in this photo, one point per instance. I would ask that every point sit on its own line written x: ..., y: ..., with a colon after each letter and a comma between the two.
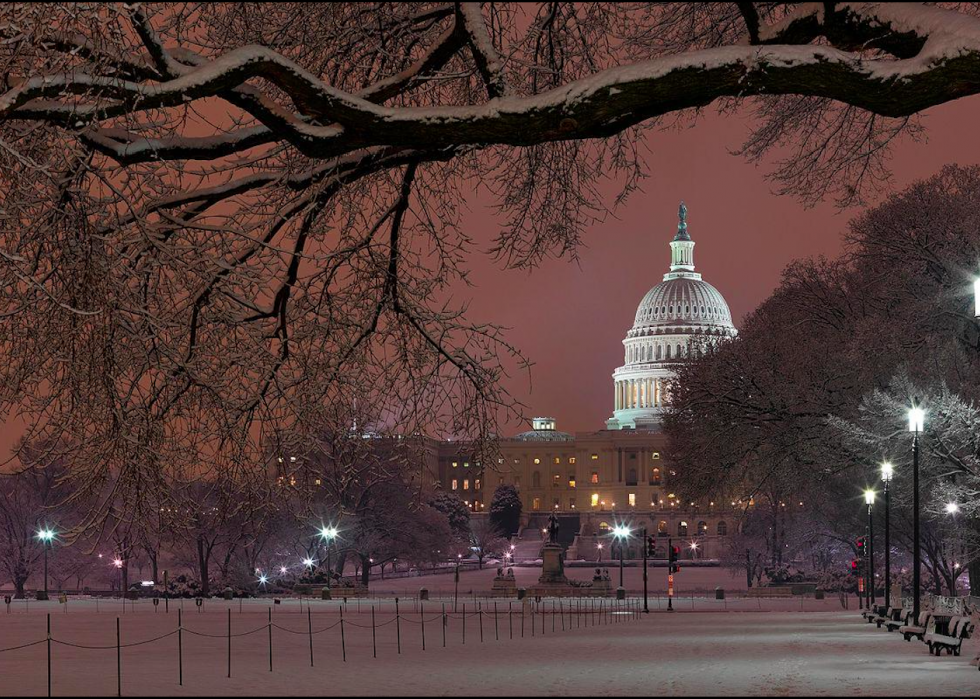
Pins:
x: 659, y: 351
x: 668, y: 352
x: 702, y: 528
x: 604, y: 527
x: 722, y: 529
x: 682, y: 529
x: 662, y: 528
x: 536, y: 480
x: 655, y: 476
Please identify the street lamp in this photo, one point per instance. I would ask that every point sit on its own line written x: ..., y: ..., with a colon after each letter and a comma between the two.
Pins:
x: 622, y: 533
x: 887, y: 472
x: 869, y: 499
x: 952, y: 508
x: 599, y: 546
x: 916, y: 424
x: 328, y: 534
x: 45, y: 536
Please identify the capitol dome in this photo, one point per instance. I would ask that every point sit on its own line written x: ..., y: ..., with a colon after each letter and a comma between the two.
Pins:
x: 680, y: 316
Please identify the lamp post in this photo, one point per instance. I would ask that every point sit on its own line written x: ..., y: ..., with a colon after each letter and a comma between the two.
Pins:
x: 328, y: 534
x: 621, y: 533
x: 976, y: 299
x: 869, y: 499
x: 45, y: 536
x: 916, y: 423
x: 599, y: 546
x: 887, y: 471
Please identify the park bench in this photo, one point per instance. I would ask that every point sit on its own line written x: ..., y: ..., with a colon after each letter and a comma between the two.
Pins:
x: 959, y: 629
x: 888, y: 614
x: 918, y: 630
x: 870, y: 615
x: 899, y: 619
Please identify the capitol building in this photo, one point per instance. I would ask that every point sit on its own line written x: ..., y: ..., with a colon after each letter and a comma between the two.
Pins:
x: 622, y: 473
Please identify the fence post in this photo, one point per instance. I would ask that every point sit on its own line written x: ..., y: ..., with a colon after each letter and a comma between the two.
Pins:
x: 496, y: 630
x: 309, y: 619
x: 444, y: 622
x: 49, y: 655
x: 343, y: 642
x: 398, y: 627
x: 464, y: 623
x: 480, y: 614
x: 270, y: 639
x: 229, y: 642
x: 118, y: 659
x: 374, y: 633
x: 561, y: 610
x: 422, y: 620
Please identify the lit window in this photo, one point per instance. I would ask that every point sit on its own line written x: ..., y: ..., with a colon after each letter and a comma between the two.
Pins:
x: 536, y: 505
x: 466, y: 464
x: 595, y: 476
x: 476, y: 484
x: 595, y: 457
x: 557, y: 460
x: 632, y: 499
x: 655, y: 455
x: 571, y: 481
x: 571, y: 459
x: 556, y: 480
x: 455, y: 464
x: 455, y: 484
x: 466, y: 484
x: 537, y: 460
x: 595, y: 499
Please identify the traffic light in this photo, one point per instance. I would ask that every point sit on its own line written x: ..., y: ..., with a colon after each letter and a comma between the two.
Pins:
x: 672, y: 560
x: 651, y: 547
x: 860, y: 546
x: 855, y: 567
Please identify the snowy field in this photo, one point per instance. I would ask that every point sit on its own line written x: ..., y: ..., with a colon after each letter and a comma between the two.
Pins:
x: 703, y: 650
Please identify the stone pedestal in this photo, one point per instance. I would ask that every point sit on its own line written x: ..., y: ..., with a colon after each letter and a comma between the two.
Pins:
x: 504, y: 585
x: 552, y: 565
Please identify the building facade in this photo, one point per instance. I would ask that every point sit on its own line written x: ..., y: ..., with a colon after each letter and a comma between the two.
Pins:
x: 620, y: 474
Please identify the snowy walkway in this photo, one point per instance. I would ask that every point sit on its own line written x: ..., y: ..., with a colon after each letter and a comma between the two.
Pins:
x: 715, y: 653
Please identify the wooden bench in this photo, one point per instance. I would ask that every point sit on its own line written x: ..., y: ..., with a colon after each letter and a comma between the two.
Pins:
x: 918, y: 630
x: 901, y: 618
x: 888, y: 614
x: 959, y: 629
x: 873, y: 614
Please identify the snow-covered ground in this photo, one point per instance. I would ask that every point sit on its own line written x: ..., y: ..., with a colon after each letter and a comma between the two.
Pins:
x: 704, y: 651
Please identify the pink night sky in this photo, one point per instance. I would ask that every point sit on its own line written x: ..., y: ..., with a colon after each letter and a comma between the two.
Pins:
x: 569, y: 319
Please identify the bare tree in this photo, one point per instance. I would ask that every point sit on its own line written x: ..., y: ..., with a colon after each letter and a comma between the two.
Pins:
x: 222, y: 218
x: 487, y: 539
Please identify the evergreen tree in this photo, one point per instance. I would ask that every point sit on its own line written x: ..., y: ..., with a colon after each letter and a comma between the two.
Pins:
x: 505, y: 509
x: 456, y: 512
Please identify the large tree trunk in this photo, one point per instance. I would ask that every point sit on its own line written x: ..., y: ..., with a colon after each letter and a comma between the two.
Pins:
x: 202, y: 561
x: 20, y: 581
x: 366, y: 570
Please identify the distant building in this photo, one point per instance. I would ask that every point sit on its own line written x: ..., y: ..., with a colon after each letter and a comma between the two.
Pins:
x: 621, y: 473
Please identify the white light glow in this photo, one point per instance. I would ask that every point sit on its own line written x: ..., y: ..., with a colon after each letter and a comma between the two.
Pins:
x: 869, y: 497
x: 917, y: 419
x: 952, y: 508
x: 887, y: 471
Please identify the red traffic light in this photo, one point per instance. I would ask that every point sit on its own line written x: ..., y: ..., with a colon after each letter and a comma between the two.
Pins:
x: 854, y: 565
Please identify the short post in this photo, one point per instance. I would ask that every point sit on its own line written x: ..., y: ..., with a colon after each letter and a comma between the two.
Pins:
x: 464, y: 623
x: 480, y: 613
x: 343, y: 642
x: 444, y: 623
x: 229, y: 643
x: 398, y: 627
x: 49, y: 655
x: 180, y: 649
x: 422, y: 621
x: 496, y: 630
x: 374, y: 633
x: 309, y: 619
x: 270, y: 639
x: 118, y: 659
